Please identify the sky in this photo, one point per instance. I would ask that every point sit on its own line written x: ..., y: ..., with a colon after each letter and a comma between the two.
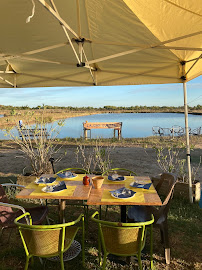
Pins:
x: 99, y: 96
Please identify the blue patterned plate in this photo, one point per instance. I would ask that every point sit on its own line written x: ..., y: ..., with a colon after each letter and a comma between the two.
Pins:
x: 55, y: 188
x: 123, y: 193
x: 67, y: 175
x: 45, y: 180
x: 118, y: 178
x: 138, y: 185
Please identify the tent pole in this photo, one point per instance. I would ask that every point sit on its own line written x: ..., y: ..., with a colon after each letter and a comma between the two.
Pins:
x: 187, y: 141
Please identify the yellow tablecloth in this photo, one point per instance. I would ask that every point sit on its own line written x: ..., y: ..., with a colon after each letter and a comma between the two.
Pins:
x: 107, y: 197
x: 139, y: 196
x: 38, y: 192
x: 128, y: 181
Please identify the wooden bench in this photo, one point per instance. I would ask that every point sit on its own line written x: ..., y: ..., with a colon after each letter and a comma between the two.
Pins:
x: 95, y: 125
x: 26, y: 133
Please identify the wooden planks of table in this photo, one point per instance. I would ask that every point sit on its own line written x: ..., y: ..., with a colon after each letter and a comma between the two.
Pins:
x: 142, y: 197
x: 75, y: 191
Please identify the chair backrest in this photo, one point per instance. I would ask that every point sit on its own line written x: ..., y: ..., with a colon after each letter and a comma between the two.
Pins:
x: 75, y: 170
x: 3, y: 197
x: 121, y: 171
x: 156, y: 130
x: 123, y: 239
x: 196, y: 131
x: 171, y: 180
x: 177, y: 130
x: 41, y: 242
x: 165, y: 131
x: 46, y: 240
x: 4, y: 210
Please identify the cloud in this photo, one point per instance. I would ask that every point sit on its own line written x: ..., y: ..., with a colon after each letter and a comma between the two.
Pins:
x: 156, y: 88
x: 167, y: 94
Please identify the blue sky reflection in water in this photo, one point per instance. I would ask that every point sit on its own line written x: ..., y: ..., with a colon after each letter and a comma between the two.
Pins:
x: 134, y: 124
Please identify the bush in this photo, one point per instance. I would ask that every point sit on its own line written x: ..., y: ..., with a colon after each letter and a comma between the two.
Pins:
x: 95, y: 159
x: 37, y: 143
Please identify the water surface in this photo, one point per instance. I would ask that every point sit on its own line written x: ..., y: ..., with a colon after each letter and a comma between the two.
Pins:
x: 134, y: 124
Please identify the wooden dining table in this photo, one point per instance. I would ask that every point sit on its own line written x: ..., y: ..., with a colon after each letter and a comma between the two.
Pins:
x: 142, y: 196
x: 75, y: 191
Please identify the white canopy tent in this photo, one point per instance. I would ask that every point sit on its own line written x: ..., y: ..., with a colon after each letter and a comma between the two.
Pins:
x: 108, y: 42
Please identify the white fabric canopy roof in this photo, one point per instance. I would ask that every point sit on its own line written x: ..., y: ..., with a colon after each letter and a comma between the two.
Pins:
x: 114, y: 42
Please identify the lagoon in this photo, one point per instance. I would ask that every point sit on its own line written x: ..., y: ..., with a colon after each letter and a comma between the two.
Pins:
x: 134, y: 124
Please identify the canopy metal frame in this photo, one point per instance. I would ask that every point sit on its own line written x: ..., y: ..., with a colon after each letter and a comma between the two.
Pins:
x: 92, y: 65
x: 81, y: 52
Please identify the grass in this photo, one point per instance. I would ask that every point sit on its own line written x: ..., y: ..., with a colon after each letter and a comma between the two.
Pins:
x: 185, y: 233
x: 125, y: 142
x: 30, y: 116
x: 134, y: 142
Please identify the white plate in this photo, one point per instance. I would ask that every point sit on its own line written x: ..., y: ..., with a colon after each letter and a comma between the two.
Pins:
x: 44, y: 190
x: 118, y: 179
x: 117, y: 194
x: 49, y: 189
x: 140, y: 181
x: 63, y: 176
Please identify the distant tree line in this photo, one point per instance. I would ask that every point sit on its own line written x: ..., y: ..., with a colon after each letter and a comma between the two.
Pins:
x: 105, y: 108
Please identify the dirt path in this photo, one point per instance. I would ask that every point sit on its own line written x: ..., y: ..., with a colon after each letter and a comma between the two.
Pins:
x: 143, y: 162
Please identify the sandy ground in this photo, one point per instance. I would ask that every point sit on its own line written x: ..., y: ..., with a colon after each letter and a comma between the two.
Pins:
x: 141, y: 161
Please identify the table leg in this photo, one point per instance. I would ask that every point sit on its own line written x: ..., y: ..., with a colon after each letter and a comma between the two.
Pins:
x: 123, y: 213
x: 61, y: 211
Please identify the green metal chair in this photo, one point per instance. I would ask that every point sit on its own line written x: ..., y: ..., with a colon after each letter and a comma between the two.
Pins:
x: 123, y: 239
x: 140, y: 213
x: 47, y: 241
x: 75, y: 170
x: 120, y: 171
x: 8, y: 214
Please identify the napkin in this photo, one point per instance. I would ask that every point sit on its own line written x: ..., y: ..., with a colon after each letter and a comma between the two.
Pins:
x: 60, y: 186
x: 137, y: 185
x: 45, y: 180
x: 122, y: 193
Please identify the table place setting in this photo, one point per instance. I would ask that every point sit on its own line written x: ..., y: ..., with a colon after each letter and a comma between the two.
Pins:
x: 58, y: 189
x: 122, y: 193
x: 45, y: 180
x: 116, y: 177
x: 137, y: 179
x: 55, y: 188
x: 67, y: 175
x: 139, y: 185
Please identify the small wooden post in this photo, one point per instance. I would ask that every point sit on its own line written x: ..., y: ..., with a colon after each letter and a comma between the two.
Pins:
x: 119, y: 134
x: 85, y: 133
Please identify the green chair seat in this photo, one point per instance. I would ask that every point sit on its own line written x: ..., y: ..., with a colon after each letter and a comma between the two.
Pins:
x: 48, y: 240
x: 123, y: 239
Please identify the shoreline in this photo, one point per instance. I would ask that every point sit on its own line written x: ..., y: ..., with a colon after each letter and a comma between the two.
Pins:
x: 51, y: 115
